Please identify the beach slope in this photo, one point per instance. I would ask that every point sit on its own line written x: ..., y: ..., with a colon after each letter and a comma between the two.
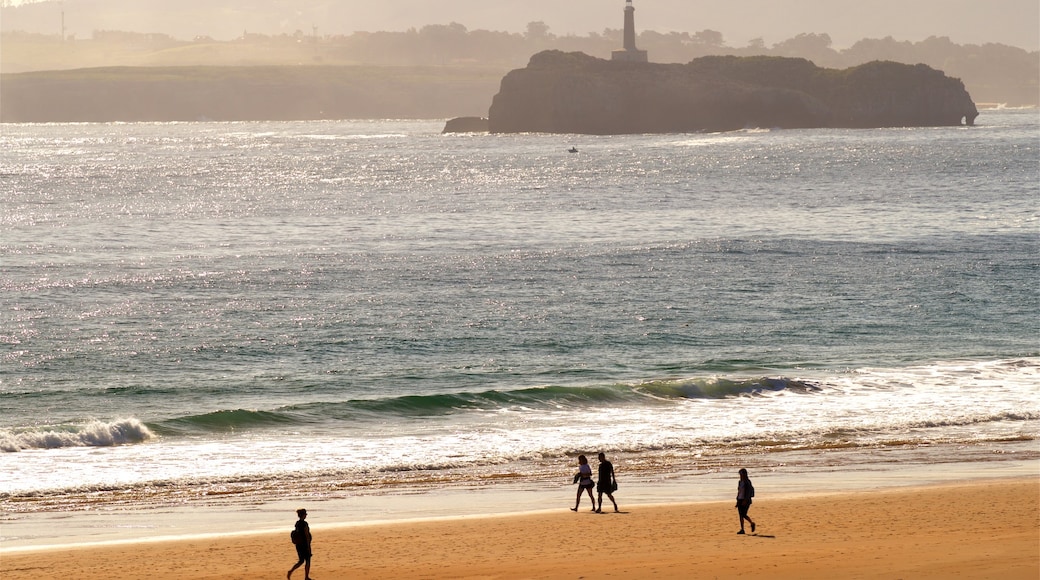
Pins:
x: 971, y: 530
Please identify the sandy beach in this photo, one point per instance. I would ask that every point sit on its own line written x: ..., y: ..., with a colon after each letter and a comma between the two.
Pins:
x: 981, y: 529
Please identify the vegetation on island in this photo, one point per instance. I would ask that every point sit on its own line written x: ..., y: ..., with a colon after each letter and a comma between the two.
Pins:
x: 576, y: 93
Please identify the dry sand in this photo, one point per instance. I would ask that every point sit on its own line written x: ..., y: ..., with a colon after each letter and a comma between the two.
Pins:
x: 988, y: 529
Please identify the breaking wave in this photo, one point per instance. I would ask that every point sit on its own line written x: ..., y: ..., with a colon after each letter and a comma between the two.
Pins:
x: 441, y: 404
x: 93, y: 434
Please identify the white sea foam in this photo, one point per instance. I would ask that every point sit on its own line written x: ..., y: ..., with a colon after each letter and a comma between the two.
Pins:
x: 92, y: 434
x: 955, y: 402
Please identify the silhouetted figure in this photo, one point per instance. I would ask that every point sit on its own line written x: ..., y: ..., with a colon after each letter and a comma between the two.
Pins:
x: 607, y: 483
x: 302, y: 540
x: 584, y: 480
x: 745, y: 491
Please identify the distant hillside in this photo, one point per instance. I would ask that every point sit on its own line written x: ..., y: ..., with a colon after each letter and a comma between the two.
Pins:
x: 992, y: 73
x: 244, y: 93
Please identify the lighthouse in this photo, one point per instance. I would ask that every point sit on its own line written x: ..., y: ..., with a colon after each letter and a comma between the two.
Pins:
x: 629, y: 53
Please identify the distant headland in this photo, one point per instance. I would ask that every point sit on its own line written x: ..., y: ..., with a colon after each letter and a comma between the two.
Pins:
x: 572, y: 92
x: 440, y: 71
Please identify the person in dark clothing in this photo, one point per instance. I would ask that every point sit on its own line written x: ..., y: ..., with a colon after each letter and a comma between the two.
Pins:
x: 607, y: 482
x: 745, y: 491
x: 302, y: 540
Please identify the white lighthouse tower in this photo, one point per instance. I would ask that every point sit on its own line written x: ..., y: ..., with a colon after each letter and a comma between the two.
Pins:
x: 629, y: 53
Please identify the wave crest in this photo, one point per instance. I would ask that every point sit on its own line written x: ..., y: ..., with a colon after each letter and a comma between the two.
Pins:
x: 720, y: 388
x: 93, y: 434
x: 552, y: 397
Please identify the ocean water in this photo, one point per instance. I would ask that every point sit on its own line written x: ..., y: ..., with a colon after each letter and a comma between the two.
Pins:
x: 240, y: 312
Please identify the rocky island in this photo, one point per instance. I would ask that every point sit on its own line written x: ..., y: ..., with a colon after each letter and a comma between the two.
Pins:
x: 573, y: 92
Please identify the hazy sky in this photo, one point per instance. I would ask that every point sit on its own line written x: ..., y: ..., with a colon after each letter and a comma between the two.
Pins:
x: 1013, y: 22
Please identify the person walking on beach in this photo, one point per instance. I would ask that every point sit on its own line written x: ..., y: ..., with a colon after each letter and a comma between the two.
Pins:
x: 745, y: 491
x: 584, y: 480
x: 607, y: 482
x: 301, y: 537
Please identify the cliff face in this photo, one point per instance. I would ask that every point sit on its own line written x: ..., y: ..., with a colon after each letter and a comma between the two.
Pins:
x: 575, y: 93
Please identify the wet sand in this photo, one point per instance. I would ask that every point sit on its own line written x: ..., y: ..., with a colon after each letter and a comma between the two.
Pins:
x: 981, y: 529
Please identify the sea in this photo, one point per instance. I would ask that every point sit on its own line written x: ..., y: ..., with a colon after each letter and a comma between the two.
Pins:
x: 225, y: 321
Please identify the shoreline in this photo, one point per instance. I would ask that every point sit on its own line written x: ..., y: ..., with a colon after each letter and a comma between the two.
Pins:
x: 129, y: 523
x: 907, y: 531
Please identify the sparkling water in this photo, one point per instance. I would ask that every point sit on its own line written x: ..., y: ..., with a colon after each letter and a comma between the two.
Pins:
x: 262, y: 309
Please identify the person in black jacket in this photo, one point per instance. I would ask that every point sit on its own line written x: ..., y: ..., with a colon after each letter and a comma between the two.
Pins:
x: 607, y: 483
x: 745, y: 491
x: 302, y: 540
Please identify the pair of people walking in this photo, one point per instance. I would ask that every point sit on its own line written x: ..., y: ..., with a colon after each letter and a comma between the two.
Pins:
x: 607, y: 482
